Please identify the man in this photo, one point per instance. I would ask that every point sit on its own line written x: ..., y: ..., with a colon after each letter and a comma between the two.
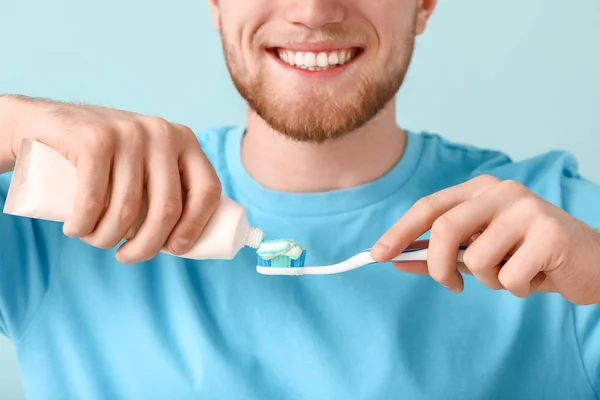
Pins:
x: 321, y: 161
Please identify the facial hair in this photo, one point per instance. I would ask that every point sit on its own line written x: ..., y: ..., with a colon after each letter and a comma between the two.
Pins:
x: 323, y: 112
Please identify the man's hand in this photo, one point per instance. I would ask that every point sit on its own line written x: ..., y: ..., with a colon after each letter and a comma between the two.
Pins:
x: 546, y: 249
x: 121, y: 157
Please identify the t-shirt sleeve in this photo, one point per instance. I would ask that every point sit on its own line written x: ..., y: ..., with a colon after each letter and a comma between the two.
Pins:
x: 27, y: 249
x: 581, y: 198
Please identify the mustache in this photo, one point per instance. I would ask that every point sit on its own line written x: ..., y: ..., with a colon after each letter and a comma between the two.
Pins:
x: 279, y: 37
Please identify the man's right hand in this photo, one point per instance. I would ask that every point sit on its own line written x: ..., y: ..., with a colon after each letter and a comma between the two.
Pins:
x: 120, y: 157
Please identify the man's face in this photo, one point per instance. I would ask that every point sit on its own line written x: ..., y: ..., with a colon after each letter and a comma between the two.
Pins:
x: 318, y: 69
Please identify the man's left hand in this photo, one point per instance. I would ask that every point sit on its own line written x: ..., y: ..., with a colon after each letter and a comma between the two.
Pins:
x: 517, y: 241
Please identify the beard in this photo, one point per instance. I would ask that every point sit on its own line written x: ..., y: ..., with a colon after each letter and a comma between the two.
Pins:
x: 322, y: 112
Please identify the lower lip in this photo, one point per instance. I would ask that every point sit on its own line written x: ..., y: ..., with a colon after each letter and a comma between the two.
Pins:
x: 320, y: 75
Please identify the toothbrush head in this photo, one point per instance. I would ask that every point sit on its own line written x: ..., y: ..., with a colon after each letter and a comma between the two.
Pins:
x: 282, y: 253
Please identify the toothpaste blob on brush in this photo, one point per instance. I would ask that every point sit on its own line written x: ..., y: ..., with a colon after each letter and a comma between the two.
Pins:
x: 280, y: 253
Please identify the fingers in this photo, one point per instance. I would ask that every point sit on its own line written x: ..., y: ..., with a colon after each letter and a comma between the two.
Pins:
x: 454, y: 228
x: 202, y: 194
x: 521, y: 275
x: 485, y: 254
x: 412, y: 267
x: 131, y: 173
x: 448, y: 232
x: 93, y: 172
x: 492, y: 215
x: 483, y: 217
x: 164, y: 208
x: 517, y: 275
x: 421, y: 216
x: 125, y: 198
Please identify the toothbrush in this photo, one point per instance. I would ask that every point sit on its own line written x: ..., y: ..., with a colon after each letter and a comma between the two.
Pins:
x: 417, y: 251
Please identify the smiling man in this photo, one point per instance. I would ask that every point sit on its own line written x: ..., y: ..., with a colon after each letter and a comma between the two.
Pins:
x: 321, y: 160
x: 292, y: 63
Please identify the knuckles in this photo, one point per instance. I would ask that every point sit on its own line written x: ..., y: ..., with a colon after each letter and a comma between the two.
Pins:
x: 212, y: 191
x: 102, y: 139
x: 99, y: 141
x: 515, y: 283
x: 443, y: 228
x: 512, y: 187
x: 486, y: 180
x: 530, y: 206
x: 426, y: 205
x: 186, y: 131
x: 474, y: 260
x: 94, y: 204
x: 158, y: 126
x: 170, y: 209
x: 129, y: 210
x: 133, y: 131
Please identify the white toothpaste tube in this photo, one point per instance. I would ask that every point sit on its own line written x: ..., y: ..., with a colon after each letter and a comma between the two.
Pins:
x: 44, y: 186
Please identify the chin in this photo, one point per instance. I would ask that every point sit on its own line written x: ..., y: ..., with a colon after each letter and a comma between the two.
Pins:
x: 310, y: 121
x: 310, y: 111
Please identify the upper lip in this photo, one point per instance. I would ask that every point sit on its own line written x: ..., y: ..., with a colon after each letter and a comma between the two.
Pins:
x: 316, y: 46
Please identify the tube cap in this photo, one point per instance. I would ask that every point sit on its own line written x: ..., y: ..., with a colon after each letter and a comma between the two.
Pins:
x: 254, y: 238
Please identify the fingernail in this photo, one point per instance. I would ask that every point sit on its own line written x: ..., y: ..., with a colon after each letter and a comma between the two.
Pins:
x: 180, y: 245
x: 381, y: 247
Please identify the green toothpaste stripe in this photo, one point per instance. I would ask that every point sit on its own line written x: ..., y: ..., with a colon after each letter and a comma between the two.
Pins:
x: 270, y: 249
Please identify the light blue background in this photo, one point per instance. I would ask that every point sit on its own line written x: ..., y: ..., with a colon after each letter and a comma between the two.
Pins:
x: 523, y: 77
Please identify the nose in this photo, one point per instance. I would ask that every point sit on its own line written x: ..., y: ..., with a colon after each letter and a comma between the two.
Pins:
x: 315, y: 14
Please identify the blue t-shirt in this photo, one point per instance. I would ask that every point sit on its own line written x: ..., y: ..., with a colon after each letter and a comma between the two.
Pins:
x: 87, y: 327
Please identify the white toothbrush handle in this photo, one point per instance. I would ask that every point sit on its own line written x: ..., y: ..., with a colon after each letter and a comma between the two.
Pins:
x: 421, y: 255
x: 357, y: 261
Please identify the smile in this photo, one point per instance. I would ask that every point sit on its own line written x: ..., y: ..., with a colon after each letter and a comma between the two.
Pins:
x: 316, y: 61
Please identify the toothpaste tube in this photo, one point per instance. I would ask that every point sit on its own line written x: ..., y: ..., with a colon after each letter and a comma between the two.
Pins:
x: 44, y: 186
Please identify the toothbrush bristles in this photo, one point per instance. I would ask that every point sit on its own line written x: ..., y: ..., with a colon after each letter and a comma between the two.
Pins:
x: 298, y: 263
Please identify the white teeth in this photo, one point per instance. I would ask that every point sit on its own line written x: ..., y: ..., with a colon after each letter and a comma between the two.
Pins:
x: 290, y: 57
x: 310, y: 59
x: 316, y: 61
x: 333, y: 58
x: 322, y: 60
